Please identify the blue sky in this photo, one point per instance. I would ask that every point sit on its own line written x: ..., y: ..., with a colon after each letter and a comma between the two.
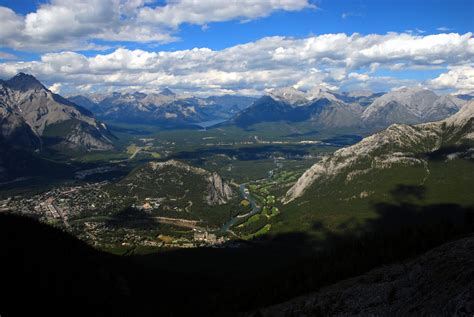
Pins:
x: 38, y: 36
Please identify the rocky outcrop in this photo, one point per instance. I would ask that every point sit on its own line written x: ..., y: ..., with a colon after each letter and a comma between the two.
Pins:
x: 398, y: 144
x: 437, y: 283
x: 219, y: 191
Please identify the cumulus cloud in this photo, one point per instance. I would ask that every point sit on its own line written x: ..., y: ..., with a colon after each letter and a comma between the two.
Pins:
x: 460, y: 78
x: 205, y: 11
x: 333, y: 60
x: 76, y: 24
x: 56, y: 88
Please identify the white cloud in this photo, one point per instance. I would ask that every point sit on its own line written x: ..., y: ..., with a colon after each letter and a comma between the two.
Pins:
x: 4, y: 55
x: 75, y: 24
x: 443, y: 29
x: 56, y: 88
x: 346, y: 15
x: 459, y: 78
x: 331, y: 59
x: 205, y: 11
x: 359, y: 77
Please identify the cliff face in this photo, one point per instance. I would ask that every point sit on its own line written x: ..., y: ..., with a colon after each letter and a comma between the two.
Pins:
x: 15, y: 132
x: 437, y: 283
x: 219, y: 191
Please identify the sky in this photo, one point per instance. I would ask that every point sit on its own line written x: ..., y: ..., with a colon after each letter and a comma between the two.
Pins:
x: 246, y: 47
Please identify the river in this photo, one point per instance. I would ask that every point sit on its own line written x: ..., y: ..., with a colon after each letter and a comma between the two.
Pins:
x: 255, y: 209
x: 246, y: 195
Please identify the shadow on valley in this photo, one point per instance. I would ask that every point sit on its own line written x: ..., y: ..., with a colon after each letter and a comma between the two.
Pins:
x: 45, y: 266
x: 450, y: 151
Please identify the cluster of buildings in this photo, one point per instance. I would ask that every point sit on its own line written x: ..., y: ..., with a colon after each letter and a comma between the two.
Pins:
x: 59, y: 203
x: 149, y: 204
x: 205, y: 237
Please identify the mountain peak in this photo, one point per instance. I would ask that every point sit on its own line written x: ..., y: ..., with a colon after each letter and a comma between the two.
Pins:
x: 289, y: 94
x: 294, y: 96
x: 24, y: 82
x: 167, y: 92
x: 320, y: 92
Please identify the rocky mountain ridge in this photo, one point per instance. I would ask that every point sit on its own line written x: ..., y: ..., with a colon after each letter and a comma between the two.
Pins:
x: 410, y: 106
x: 397, y: 145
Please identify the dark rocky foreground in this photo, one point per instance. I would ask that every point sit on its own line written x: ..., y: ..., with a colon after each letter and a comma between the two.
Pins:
x: 437, y: 283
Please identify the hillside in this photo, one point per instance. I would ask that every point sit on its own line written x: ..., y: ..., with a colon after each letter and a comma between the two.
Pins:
x: 176, y: 189
x: 399, y: 145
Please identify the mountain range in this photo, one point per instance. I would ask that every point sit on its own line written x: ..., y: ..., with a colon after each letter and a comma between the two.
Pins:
x: 328, y: 110
x: 162, y: 108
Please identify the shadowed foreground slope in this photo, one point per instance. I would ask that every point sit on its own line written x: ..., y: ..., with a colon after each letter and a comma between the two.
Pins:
x: 437, y: 283
x: 45, y: 268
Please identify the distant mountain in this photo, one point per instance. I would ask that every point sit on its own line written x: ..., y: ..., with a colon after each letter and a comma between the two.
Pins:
x: 32, y: 115
x: 162, y: 108
x: 409, y: 106
x: 167, y: 92
x: 372, y: 160
x: 322, y: 108
x: 226, y: 106
x: 362, y: 98
x: 325, y: 109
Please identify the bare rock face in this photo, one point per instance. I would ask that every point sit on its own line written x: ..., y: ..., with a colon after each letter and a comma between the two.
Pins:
x: 437, y: 283
x: 410, y: 106
x: 49, y: 114
x: 219, y: 191
x: 15, y: 131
